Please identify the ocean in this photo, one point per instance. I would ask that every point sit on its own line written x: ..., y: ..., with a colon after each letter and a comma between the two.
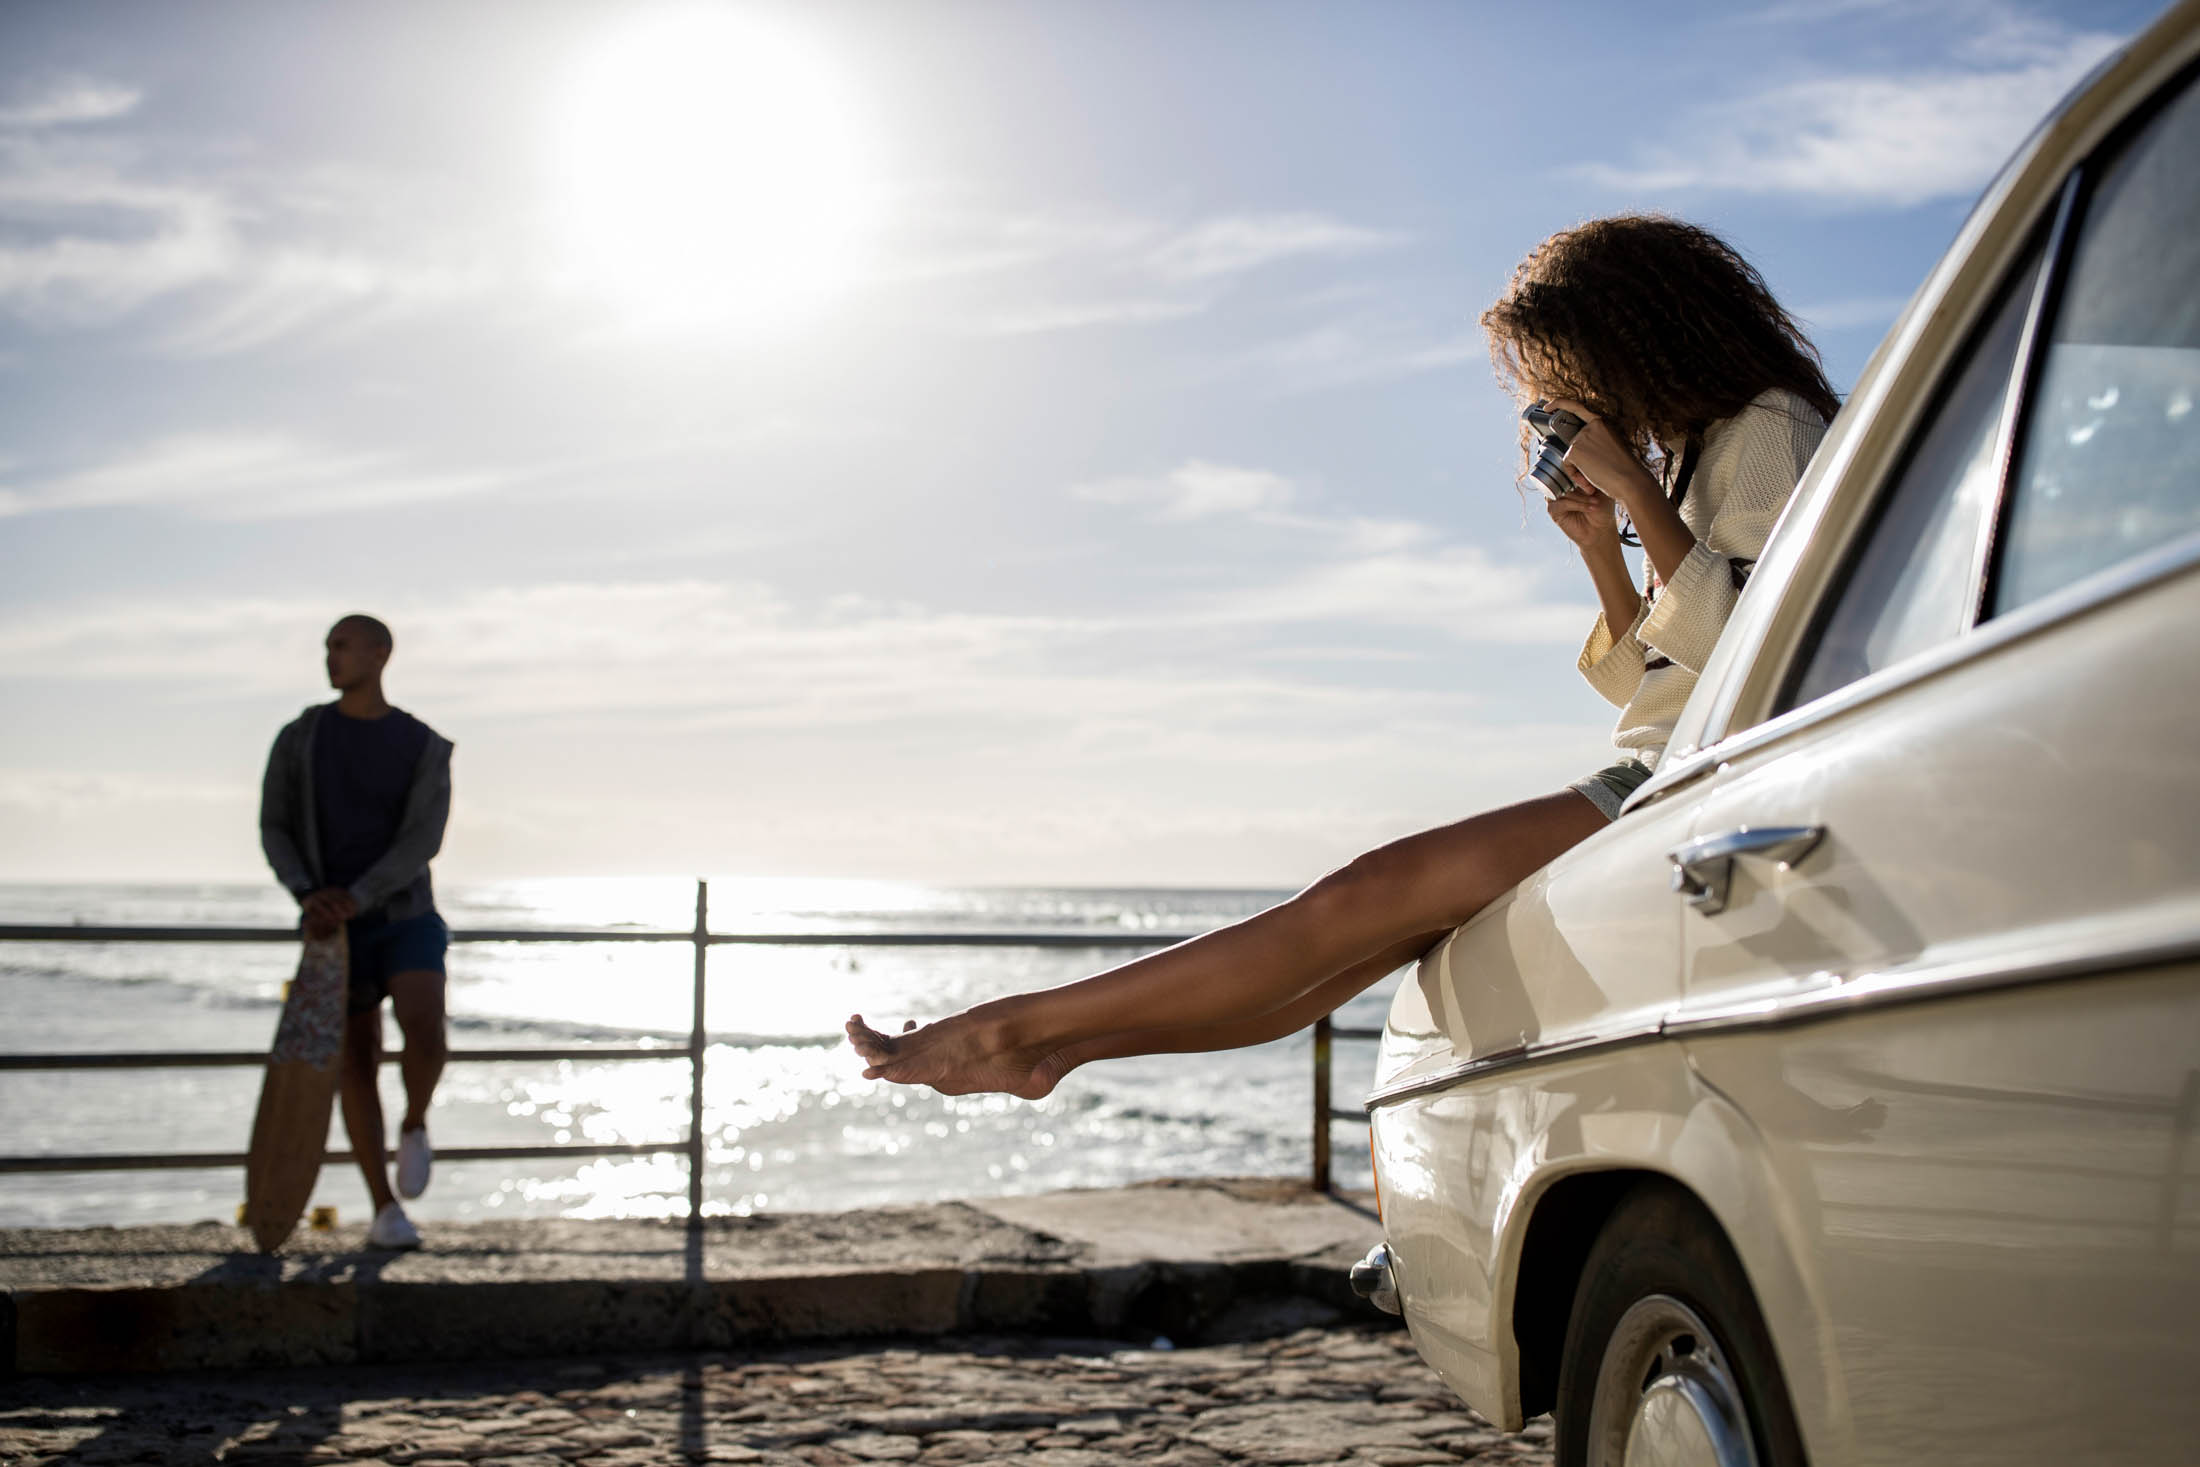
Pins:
x: 790, y: 1123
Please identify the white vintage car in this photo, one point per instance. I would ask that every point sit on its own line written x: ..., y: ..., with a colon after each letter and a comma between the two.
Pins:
x: 1838, y: 1103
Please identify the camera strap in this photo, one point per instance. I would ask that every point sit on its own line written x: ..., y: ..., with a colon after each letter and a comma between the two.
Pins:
x: 1675, y: 492
x: 1687, y: 474
x: 1736, y: 568
x: 1682, y: 478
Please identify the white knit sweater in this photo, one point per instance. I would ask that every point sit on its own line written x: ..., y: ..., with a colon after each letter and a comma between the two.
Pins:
x: 1744, y: 474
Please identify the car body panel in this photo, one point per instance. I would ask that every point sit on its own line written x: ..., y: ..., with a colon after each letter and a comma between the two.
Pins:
x: 1999, y: 1201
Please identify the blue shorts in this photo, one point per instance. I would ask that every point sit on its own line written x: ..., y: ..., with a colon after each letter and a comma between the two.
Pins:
x: 380, y: 947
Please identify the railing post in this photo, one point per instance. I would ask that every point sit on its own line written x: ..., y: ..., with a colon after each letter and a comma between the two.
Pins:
x: 1321, y: 1104
x: 696, y: 1043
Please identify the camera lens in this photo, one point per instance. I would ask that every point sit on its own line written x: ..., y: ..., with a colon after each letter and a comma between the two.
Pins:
x: 1549, y: 469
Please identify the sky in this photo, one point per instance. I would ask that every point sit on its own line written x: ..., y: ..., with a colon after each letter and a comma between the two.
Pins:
x: 958, y: 442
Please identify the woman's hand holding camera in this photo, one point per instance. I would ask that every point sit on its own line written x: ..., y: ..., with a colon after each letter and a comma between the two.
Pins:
x: 1588, y: 518
x: 1598, y: 461
x: 1606, y: 476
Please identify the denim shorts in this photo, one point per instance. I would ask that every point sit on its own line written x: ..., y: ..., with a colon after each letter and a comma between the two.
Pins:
x: 1609, y: 787
x: 380, y: 947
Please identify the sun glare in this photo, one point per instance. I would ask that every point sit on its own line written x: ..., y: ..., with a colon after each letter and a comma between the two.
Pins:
x: 709, y: 170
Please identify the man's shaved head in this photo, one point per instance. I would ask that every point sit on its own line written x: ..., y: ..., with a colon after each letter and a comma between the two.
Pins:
x: 372, y: 628
x: 358, y: 645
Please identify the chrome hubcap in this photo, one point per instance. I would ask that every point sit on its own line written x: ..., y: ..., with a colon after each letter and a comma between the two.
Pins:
x: 1665, y: 1395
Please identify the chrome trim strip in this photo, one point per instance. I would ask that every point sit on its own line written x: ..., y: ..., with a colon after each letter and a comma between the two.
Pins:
x: 2021, y: 394
x: 2078, y: 955
x: 2074, y: 956
x: 2100, y: 589
x: 1507, y: 1059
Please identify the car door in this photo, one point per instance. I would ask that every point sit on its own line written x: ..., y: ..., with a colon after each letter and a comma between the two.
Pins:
x: 1943, y: 904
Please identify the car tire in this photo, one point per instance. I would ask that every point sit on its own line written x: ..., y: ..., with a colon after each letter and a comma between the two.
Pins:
x: 1666, y: 1357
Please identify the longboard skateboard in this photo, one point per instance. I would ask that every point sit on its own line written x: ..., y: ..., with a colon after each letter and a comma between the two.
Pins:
x: 290, y: 1129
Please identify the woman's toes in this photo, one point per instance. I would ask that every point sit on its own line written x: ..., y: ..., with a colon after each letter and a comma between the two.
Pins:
x: 866, y: 1039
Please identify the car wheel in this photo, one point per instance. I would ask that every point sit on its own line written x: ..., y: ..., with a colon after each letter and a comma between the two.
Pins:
x: 1667, y: 1360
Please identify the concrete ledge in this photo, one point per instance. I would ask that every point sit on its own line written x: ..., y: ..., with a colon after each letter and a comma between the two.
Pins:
x: 1196, y: 1261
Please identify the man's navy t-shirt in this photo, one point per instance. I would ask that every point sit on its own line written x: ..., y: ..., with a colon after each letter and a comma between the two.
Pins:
x: 362, y: 772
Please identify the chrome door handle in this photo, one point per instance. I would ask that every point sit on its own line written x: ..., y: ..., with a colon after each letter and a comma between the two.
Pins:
x: 1703, y: 870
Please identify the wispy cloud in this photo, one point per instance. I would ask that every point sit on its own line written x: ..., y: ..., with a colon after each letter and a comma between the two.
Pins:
x: 87, y: 245
x: 1884, y: 138
x: 1342, y: 570
x: 1239, y: 243
x: 66, y: 100
x: 748, y: 653
x: 1077, y: 315
x: 1362, y: 347
x: 943, y: 236
x: 1457, y: 591
x: 1079, y: 268
x: 98, y: 225
x: 1194, y: 490
x: 283, y: 293
x: 244, y: 476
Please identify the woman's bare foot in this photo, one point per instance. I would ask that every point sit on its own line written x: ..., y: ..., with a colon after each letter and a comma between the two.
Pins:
x: 958, y: 1055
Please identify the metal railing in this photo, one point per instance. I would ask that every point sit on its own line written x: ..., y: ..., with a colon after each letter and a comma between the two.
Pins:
x: 1324, y: 1111
x: 693, y: 1052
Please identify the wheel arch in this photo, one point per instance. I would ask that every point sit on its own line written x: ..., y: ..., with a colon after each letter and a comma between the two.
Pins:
x: 1560, y: 1212
x: 1561, y: 1228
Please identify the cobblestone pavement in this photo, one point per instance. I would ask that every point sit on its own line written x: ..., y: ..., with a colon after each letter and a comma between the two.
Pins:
x: 1328, y: 1395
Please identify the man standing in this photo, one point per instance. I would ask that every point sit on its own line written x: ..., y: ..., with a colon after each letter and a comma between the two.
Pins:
x: 351, y: 811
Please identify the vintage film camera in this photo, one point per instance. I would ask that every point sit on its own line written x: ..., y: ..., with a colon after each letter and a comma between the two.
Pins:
x: 1558, y: 428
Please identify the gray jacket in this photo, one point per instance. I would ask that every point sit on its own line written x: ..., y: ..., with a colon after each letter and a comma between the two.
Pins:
x: 398, y: 883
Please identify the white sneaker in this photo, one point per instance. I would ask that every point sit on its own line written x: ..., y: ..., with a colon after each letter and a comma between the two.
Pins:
x: 414, y: 1157
x: 392, y: 1229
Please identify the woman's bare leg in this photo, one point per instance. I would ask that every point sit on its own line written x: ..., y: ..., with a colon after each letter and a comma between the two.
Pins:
x: 1048, y: 1071
x: 1391, y: 896
x: 1323, y: 998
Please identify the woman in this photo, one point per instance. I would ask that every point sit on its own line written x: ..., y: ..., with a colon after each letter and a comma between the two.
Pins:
x: 1702, y: 402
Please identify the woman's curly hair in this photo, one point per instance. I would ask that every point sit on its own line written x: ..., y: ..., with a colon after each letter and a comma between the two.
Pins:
x: 1658, y: 325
